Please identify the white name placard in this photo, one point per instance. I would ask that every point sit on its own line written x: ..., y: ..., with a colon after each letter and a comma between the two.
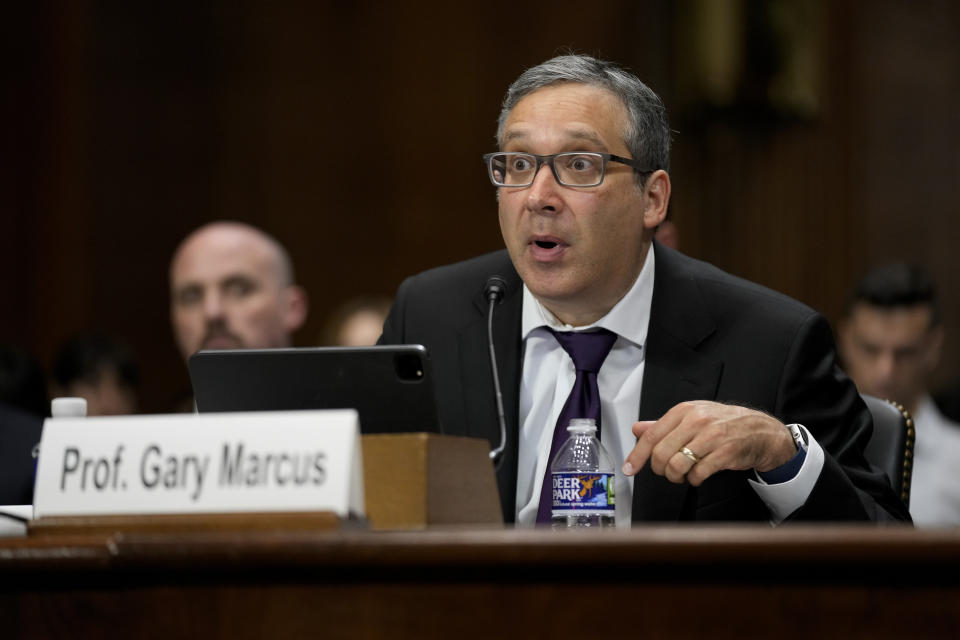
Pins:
x: 208, y: 463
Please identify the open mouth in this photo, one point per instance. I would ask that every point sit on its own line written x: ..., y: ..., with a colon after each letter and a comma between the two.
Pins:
x: 547, y: 248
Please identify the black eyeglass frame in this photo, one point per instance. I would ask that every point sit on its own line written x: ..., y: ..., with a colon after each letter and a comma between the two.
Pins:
x: 549, y: 161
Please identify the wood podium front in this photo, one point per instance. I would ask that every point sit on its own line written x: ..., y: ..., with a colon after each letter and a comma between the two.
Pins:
x: 647, y: 582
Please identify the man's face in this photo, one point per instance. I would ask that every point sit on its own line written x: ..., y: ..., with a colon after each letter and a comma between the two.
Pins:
x: 577, y: 249
x: 890, y: 352
x: 361, y: 329
x: 227, y: 292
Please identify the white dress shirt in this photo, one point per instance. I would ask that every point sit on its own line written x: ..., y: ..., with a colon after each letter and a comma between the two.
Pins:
x: 548, y: 376
x: 935, y: 484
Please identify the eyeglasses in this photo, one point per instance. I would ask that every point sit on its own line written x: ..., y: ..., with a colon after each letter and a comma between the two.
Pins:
x: 571, y: 169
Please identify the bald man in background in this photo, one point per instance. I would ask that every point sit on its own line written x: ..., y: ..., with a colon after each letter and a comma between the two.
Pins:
x: 232, y: 287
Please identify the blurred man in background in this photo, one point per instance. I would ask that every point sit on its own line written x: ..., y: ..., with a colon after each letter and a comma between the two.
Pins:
x: 357, y: 322
x: 23, y: 406
x: 890, y: 343
x: 19, y: 435
x: 232, y: 287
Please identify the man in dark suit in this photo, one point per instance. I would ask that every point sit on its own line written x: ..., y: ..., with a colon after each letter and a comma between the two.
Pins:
x: 742, y: 412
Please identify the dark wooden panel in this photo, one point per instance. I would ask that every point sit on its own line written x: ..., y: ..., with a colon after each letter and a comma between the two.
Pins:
x: 658, y: 581
x: 131, y: 125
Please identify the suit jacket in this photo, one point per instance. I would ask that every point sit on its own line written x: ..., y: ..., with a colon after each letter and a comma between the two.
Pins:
x: 711, y: 336
x: 19, y: 434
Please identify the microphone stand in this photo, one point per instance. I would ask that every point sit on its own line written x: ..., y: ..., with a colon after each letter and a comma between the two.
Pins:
x: 494, y: 291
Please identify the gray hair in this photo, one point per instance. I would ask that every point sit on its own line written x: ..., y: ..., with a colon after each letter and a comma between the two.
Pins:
x: 648, y: 132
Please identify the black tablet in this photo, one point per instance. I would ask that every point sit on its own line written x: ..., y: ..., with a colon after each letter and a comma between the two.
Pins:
x: 391, y: 387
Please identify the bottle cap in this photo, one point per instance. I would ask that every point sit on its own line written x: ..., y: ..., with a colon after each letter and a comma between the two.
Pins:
x: 68, y: 408
x: 582, y: 425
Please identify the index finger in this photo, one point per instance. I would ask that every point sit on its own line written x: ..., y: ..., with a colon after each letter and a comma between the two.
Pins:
x: 649, y: 433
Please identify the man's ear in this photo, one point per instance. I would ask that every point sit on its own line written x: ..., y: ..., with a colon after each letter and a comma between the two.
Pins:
x: 297, y: 305
x: 657, y: 197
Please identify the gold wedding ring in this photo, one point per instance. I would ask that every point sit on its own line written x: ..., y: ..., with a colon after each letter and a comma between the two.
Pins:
x: 690, y: 455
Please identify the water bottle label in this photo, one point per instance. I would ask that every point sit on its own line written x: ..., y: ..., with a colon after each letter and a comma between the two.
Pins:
x: 578, y: 491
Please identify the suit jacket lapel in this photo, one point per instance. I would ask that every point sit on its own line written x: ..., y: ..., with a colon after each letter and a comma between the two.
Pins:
x: 674, y: 372
x: 479, y: 398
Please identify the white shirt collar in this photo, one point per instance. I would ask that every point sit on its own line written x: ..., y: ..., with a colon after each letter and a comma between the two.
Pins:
x: 628, y: 318
x: 926, y: 411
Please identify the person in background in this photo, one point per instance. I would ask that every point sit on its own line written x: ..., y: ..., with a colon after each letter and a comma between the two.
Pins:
x: 668, y: 234
x: 19, y: 435
x: 720, y: 398
x: 100, y: 369
x: 232, y: 287
x: 357, y: 322
x: 890, y: 341
x: 23, y: 407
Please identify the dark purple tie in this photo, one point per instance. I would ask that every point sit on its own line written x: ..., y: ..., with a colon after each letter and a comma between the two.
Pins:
x: 588, y: 351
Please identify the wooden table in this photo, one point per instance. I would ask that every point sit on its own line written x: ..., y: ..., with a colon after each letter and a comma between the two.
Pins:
x: 648, y: 582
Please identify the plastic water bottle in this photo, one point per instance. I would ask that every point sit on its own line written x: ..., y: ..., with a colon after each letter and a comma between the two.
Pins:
x: 61, y: 408
x: 68, y: 408
x: 583, y: 480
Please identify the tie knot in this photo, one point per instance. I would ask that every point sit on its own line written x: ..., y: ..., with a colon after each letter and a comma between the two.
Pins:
x: 587, y: 349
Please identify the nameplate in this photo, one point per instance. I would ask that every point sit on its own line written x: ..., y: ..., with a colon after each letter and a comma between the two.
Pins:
x: 208, y: 463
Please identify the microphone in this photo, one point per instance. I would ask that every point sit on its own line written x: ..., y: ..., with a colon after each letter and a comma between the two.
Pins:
x: 494, y: 290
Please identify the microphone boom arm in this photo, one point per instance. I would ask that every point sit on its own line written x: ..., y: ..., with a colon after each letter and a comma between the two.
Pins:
x: 494, y: 290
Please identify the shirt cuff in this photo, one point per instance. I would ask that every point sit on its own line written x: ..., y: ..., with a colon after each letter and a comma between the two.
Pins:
x: 783, y: 498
